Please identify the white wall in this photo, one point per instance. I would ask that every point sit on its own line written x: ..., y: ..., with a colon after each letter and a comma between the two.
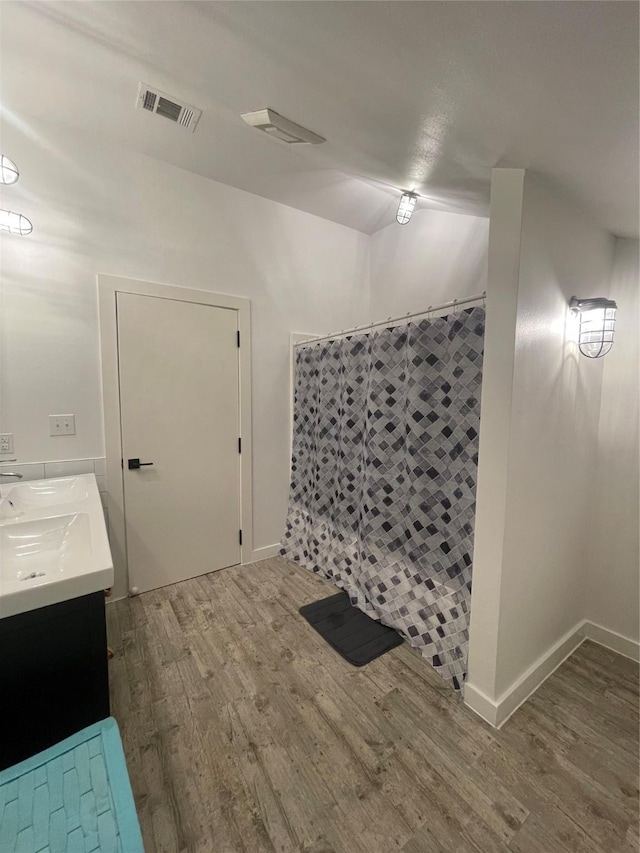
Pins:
x: 536, y: 466
x: 554, y: 423
x: 612, y: 592
x: 436, y: 257
x: 503, y: 266
x: 98, y: 209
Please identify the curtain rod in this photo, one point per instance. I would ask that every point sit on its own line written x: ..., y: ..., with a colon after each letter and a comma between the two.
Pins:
x: 390, y: 320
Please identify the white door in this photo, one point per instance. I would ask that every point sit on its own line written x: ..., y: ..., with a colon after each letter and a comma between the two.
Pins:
x: 179, y: 372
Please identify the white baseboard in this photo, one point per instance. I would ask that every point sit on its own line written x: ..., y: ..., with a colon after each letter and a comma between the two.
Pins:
x: 497, y: 712
x: 264, y: 553
x: 480, y: 703
x: 612, y: 640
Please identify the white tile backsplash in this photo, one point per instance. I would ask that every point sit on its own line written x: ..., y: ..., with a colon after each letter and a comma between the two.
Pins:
x: 29, y: 471
x: 68, y: 469
x: 46, y: 470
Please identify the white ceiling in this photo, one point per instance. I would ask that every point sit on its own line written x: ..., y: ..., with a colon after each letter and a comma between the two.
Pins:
x: 420, y: 95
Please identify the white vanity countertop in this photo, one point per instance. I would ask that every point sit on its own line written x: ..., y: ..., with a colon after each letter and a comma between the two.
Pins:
x: 53, y: 543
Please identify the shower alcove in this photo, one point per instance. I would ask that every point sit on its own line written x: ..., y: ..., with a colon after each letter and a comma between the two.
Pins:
x: 527, y: 523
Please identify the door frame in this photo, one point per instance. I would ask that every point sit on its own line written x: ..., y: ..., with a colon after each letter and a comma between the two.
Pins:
x: 108, y: 288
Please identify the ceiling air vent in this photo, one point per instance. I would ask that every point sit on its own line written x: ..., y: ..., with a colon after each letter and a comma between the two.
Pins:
x: 281, y: 128
x: 167, y: 106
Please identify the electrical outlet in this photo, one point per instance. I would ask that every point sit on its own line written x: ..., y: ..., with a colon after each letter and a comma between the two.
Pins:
x: 62, y: 424
x: 6, y: 442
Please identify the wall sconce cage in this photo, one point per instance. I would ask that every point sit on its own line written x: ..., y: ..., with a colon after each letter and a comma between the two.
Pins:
x: 597, y: 319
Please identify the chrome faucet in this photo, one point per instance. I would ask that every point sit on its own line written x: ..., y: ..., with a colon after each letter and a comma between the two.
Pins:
x: 10, y: 474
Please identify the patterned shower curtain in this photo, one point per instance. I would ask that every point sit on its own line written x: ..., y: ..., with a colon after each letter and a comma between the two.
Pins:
x: 385, y: 453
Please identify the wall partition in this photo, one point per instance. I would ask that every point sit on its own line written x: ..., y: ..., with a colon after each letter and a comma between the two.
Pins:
x: 384, y: 462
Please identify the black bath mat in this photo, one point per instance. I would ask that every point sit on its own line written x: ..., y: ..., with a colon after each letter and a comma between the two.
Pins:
x: 353, y: 634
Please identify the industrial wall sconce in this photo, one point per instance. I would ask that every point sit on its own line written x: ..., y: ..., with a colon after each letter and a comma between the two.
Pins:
x: 597, y: 324
x: 405, y: 208
x: 14, y: 223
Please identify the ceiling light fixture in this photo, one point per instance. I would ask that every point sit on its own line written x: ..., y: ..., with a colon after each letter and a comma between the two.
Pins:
x: 9, y: 173
x: 15, y: 223
x: 281, y: 128
x: 405, y: 208
x: 597, y: 325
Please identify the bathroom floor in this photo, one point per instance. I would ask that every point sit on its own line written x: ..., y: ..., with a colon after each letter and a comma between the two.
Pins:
x: 244, y: 731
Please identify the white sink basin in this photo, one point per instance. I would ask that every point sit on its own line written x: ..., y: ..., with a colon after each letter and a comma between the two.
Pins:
x: 33, y: 550
x: 55, y: 548
x: 49, y: 492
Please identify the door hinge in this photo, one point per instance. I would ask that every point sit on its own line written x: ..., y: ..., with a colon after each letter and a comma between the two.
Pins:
x: 240, y: 445
x: 240, y: 536
x: 238, y: 337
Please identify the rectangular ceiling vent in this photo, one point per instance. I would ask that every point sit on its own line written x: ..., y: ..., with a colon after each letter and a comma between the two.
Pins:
x: 281, y: 128
x: 167, y: 106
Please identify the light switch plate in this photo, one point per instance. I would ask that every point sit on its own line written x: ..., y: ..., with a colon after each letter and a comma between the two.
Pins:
x: 6, y: 442
x: 62, y: 424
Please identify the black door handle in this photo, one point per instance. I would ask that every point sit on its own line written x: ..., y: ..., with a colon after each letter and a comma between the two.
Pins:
x: 136, y: 463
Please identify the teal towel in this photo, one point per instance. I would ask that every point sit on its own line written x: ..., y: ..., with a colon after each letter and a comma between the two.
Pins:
x: 74, y: 797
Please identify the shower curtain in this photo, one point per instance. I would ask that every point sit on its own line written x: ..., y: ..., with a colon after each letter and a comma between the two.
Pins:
x: 384, y: 464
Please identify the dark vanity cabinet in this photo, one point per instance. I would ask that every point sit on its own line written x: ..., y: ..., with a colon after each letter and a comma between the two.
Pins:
x: 53, y: 675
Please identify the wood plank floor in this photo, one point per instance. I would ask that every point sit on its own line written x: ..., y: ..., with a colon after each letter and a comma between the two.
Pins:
x: 244, y: 731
